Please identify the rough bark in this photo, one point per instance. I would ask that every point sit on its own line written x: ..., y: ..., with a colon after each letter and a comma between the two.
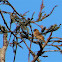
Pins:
x: 3, y: 49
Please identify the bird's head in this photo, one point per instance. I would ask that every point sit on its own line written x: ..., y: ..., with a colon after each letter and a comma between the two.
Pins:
x: 36, y: 30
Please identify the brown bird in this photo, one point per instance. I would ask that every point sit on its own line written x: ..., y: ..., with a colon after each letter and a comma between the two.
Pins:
x: 38, y: 35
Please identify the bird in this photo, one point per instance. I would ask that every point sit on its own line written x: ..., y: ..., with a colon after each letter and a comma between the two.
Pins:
x: 38, y: 35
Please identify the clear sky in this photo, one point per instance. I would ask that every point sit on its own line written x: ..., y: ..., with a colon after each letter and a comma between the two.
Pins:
x: 23, y: 6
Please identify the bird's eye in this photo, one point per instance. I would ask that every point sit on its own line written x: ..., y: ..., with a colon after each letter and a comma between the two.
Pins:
x: 35, y: 30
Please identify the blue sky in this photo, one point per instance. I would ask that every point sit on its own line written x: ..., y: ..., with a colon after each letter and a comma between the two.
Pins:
x: 23, y: 6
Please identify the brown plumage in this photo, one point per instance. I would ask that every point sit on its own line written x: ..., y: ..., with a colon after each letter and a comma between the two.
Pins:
x: 38, y: 35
